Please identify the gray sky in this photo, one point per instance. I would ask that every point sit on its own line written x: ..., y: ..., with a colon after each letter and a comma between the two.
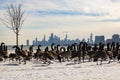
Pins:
x: 78, y: 18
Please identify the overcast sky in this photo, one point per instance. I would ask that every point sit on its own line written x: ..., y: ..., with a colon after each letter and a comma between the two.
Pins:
x: 77, y: 18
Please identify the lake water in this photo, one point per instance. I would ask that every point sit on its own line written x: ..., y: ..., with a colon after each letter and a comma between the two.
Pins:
x: 12, y: 50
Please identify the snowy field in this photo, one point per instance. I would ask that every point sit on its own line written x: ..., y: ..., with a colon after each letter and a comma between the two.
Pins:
x: 35, y: 70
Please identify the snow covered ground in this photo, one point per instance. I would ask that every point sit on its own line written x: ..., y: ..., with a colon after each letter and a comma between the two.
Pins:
x: 35, y: 70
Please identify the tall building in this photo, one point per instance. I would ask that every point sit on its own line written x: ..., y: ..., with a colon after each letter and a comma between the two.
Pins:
x: 51, y: 39
x: 116, y: 38
x: 44, y: 42
x: 44, y: 38
x: 27, y: 42
x: 66, y: 37
x: 99, y: 39
x: 91, y: 39
x: 35, y: 42
x: 65, y: 40
x: 88, y: 41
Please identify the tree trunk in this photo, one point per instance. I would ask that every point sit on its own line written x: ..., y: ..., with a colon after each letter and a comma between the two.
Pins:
x: 17, y: 38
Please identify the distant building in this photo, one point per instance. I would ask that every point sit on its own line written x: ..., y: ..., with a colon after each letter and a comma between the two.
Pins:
x: 65, y: 40
x: 83, y: 40
x: 27, y: 42
x: 43, y: 42
x: 99, y: 39
x: 34, y: 42
x: 109, y: 41
x: 116, y: 38
x: 91, y: 39
x: 51, y: 39
x: 88, y: 41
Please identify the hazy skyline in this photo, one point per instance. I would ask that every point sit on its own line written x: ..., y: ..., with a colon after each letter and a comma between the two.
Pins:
x: 77, y: 18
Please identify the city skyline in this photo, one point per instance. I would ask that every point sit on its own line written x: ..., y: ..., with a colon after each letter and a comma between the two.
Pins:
x: 53, y: 38
x: 77, y: 18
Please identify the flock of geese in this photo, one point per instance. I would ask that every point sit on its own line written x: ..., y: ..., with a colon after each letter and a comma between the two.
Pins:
x: 77, y: 52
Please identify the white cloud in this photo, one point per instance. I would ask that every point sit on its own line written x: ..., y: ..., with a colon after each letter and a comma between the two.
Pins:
x: 36, y: 25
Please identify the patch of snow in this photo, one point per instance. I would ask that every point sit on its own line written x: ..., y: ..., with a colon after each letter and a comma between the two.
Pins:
x: 35, y: 70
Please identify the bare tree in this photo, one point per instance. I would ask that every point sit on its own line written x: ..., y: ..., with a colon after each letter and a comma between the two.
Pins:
x: 14, y: 18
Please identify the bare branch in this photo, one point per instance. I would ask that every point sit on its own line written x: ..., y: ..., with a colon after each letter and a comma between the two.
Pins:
x: 14, y: 18
x: 5, y: 23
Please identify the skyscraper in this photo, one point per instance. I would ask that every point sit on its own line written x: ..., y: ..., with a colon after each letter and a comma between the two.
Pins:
x: 66, y: 37
x: 44, y: 37
x: 27, y: 42
x: 116, y: 38
x: 91, y: 39
x: 44, y: 42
